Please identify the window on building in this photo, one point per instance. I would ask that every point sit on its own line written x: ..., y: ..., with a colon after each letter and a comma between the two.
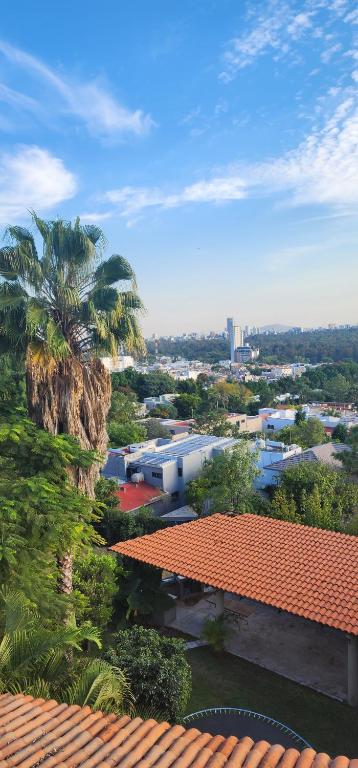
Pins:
x: 159, y: 475
x: 180, y: 472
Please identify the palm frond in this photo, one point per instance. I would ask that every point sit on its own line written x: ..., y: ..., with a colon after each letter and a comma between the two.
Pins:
x: 114, y: 270
x: 101, y: 686
x: 12, y: 295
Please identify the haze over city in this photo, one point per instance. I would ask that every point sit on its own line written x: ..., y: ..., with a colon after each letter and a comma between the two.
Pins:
x: 215, y: 143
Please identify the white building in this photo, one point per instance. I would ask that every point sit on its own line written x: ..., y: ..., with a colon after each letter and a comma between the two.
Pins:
x: 271, y: 452
x: 165, y: 464
x: 236, y: 337
x: 246, y: 354
x: 119, y: 363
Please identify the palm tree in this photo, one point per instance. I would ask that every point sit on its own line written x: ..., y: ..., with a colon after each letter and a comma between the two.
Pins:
x: 64, y: 308
x: 46, y: 662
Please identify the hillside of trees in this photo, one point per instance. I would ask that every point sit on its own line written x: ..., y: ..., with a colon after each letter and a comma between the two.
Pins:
x: 319, y: 346
x: 311, y: 346
x: 207, y: 350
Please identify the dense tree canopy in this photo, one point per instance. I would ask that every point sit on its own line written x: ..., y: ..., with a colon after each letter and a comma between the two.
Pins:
x: 306, y: 433
x: 43, y: 515
x: 315, y: 494
x: 226, y: 482
x: 157, y: 670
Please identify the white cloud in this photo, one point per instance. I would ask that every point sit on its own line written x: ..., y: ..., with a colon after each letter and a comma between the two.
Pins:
x: 32, y: 178
x: 277, y: 27
x: 90, y: 101
x: 323, y: 169
x: 273, y: 29
x: 329, y: 52
x: 17, y: 99
x: 131, y: 201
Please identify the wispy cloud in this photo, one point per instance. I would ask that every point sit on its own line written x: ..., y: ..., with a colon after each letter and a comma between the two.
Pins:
x: 90, y: 101
x: 321, y: 170
x: 273, y: 29
x: 277, y: 28
x: 31, y: 177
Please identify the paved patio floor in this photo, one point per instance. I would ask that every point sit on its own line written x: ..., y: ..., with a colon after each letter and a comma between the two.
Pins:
x: 301, y: 650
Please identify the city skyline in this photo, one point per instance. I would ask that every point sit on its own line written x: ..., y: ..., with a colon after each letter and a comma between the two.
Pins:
x: 216, y: 145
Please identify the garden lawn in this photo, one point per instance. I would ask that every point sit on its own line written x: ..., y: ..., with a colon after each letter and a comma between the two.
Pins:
x: 226, y: 680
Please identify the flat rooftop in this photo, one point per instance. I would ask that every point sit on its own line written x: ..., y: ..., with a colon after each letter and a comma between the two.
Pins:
x: 305, y: 571
x: 134, y: 495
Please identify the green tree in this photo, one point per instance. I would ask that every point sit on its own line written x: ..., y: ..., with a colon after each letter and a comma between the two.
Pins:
x: 123, y: 408
x: 187, y: 405
x: 48, y: 662
x: 315, y: 494
x: 283, y: 506
x: 340, y: 433
x: 226, y: 482
x: 126, y: 433
x: 154, y: 429
x: 44, y: 518
x: 95, y: 579
x: 120, y: 526
x: 164, y: 412
x: 12, y: 386
x: 349, y: 458
x: 306, y: 434
x: 64, y: 309
x: 300, y: 417
x: 157, y: 670
x: 213, y: 423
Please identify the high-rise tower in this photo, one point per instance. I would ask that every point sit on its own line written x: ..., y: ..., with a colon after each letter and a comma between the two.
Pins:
x: 235, y: 336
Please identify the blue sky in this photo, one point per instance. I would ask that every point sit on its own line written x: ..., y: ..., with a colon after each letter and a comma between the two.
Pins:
x: 215, y: 141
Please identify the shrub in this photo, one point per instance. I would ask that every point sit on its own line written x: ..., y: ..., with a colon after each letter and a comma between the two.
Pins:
x: 156, y: 669
x: 216, y: 631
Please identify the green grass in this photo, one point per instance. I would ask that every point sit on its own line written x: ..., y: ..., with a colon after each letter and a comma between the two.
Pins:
x: 226, y: 680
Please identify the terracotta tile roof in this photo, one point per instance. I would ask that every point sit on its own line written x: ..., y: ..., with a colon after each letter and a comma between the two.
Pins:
x: 305, y: 571
x: 38, y: 732
x: 134, y: 495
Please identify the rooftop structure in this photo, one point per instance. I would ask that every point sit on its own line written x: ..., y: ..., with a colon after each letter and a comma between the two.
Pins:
x: 326, y: 453
x: 164, y: 463
x: 36, y: 731
x: 131, y: 496
x: 307, y: 572
x: 263, y: 559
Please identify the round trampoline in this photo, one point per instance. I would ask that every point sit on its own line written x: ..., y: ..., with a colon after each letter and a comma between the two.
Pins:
x: 229, y: 721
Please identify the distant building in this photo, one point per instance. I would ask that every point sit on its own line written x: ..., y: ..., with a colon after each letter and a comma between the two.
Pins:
x: 236, y: 337
x: 154, y: 402
x: 245, y: 354
x: 119, y: 363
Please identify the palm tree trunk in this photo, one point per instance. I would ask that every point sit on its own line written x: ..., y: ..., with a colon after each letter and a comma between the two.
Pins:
x: 72, y: 398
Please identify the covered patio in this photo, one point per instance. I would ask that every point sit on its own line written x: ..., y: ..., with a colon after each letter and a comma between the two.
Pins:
x: 298, y: 649
x: 290, y: 593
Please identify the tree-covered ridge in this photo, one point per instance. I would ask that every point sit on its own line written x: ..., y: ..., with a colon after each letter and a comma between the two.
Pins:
x: 310, y: 346
x: 316, y: 346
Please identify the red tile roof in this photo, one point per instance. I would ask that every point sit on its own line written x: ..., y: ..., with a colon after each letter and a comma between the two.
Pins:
x: 38, y: 732
x: 134, y: 495
x: 305, y: 571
